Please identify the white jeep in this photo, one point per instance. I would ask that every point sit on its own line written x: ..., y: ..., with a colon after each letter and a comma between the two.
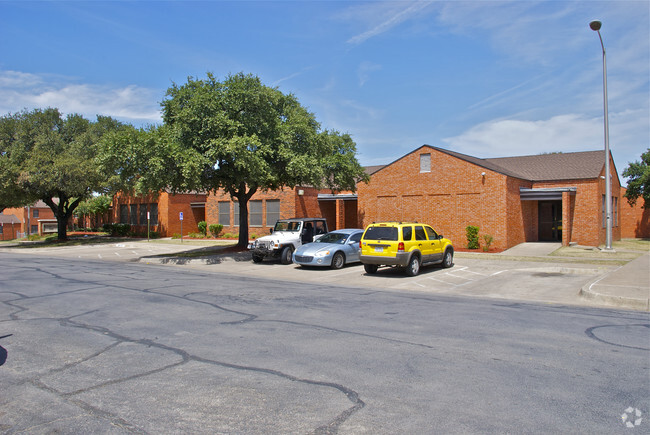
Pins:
x: 286, y: 237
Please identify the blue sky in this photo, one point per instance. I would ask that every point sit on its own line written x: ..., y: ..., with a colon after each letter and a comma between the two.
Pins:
x: 488, y: 79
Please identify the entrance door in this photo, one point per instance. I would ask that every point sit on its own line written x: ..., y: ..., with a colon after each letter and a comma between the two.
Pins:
x: 550, y: 221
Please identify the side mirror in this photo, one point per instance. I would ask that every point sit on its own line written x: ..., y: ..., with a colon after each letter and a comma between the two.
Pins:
x: 271, y: 231
x: 440, y: 237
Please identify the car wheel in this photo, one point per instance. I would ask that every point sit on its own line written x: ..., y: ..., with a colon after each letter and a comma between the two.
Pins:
x: 448, y: 259
x: 413, y: 267
x: 257, y: 258
x: 338, y: 261
x: 370, y: 268
x: 285, y: 257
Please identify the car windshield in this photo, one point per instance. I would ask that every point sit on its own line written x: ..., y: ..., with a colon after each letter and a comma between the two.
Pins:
x: 381, y: 233
x: 287, y: 226
x: 333, y: 238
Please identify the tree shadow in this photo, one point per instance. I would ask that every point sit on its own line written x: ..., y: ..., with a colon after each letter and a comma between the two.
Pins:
x: 3, y: 351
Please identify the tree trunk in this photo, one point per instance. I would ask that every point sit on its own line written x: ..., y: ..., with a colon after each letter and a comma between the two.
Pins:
x: 242, y: 197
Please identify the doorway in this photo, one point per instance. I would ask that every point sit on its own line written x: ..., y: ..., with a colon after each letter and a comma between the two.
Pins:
x: 550, y: 221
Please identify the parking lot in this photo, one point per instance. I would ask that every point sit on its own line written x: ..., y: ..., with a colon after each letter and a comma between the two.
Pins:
x: 549, y: 281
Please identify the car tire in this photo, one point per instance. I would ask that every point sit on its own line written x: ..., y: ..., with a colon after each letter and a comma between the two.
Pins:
x: 413, y: 268
x: 338, y: 260
x: 448, y: 259
x: 285, y: 256
x: 370, y: 268
x: 257, y: 258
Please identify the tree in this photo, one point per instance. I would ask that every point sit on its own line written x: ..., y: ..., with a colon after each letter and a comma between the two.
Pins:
x: 238, y: 135
x: 45, y: 156
x: 638, y: 184
x: 94, y: 208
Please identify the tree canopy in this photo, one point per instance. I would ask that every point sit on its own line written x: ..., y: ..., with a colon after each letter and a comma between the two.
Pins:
x: 237, y: 135
x: 46, y: 156
x: 638, y: 184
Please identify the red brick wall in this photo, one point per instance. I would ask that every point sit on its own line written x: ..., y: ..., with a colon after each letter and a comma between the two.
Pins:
x: 635, y: 221
x: 44, y: 212
x: 169, y: 208
x: 452, y: 196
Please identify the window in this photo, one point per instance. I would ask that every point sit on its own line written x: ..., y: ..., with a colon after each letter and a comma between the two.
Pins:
x: 224, y: 213
x: 1, y: 228
x: 272, y: 211
x: 255, y: 213
x: 153, y: 211
x: 36, y: 212
x: 124, y: 214
x: 431, y: 233
x: 604, y: 213
x: 615, y: 208
x: 143, y: 214
x: 319, y: 228
x: 419, y: 233
x: 381, y: 233
x: 425, y: 162
x: 407, y: 233
x: 134, y: 214
x: 356, y: 237
x: 235, y: 210
x: 34, y: 229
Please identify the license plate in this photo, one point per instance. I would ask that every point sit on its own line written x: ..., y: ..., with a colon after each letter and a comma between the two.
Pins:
x: 379, y: 249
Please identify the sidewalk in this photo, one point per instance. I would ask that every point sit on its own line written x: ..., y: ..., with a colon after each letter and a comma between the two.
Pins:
x: 627, y: 287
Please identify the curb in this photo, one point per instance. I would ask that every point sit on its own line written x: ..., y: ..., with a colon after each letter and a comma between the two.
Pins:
x: 617, y: 301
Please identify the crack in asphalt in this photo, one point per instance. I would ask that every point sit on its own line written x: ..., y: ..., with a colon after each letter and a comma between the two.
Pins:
x: 331, y: 427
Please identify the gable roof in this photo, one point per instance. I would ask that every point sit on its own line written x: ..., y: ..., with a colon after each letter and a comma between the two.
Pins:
x: 9, y: 219
x: 542, y: 167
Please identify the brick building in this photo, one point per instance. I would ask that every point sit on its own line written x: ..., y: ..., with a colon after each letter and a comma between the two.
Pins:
x: 35, y: 219
x: 9, y: 227
x: 635, y: 221
x: 549, y: 197
x: 164, y: 211
x: 265, y: 208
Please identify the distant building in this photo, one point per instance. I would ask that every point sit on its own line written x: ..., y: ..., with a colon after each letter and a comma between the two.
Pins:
x: 35, y: 219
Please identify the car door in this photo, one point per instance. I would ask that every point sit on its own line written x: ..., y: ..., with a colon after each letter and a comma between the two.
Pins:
x: 353, y: 251
x: 435, y: 244
x: 423, y: 243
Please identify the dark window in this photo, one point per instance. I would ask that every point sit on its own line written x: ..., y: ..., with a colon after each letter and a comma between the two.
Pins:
x: 134, y: 214
x: 272, y: 211
x: 419, y: 233
x: 224, y: 213
x: 255, y: 213
x: 124, y: 214
x: 381, y: 233
x: 143, y: 214
x: 34, y: 229
x: 615, y: 208
x: 319, y: 228
x: 235, y: 210
x: 407, y: 233
x: 604, y: 213
x: 356, y: 237
x: 153, y: 211
x: 36, y: 212
x: 431, y: 233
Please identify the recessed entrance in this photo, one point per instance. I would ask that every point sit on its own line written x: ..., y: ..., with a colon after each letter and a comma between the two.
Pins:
x: 550, y: 221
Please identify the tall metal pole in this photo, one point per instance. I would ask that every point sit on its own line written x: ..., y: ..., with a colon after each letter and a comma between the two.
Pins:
x: 595, y: 26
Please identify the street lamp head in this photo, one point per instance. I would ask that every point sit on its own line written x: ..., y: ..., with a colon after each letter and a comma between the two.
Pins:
x: 595, y: 25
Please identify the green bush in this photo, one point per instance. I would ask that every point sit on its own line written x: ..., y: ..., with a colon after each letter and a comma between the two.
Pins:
x: 176, y: 236
x: 472, y: 236
x: 488, y: 239
x: 215, y: 230
x: 117, y: 230
x: 203, y: 228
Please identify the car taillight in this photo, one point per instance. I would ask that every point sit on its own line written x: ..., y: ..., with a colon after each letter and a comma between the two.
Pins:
x: 360, y: 247
x: 400, y: 247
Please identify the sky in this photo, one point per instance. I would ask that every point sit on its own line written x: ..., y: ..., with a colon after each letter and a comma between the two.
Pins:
x: 483, y: 78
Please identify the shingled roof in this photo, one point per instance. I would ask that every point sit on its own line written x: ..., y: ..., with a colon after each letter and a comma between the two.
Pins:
x: 542, y: 167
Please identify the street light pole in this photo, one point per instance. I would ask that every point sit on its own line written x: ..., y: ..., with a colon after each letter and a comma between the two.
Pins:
x: 595, y: 26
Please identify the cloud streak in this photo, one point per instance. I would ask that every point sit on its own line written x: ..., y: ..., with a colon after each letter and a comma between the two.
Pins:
x: 20, y: 91
x: 412, y: 10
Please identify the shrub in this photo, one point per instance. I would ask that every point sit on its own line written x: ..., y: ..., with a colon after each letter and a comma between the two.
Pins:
x: 176, y: 236
x: 488, y: 239
x: 215, y: 230
x: 196, y: 235
x: 203, y: 228
x: 472, y: 236
x: 119, y: 230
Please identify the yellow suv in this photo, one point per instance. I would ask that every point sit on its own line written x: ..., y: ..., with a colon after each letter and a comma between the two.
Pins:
x: 405, y: 244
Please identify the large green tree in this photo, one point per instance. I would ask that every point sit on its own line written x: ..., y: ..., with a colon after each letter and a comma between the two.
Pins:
x: 638, y: 183
x: 237, y: 135
x: 46, y: 156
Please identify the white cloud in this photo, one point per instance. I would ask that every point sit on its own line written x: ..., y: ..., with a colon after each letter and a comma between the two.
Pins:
x: 389, y: 18
x: 364, y: 70
x: 506, y: 137
x: 20, y: 91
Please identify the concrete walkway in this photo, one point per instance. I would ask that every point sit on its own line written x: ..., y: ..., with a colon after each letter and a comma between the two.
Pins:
x: 628, y: 286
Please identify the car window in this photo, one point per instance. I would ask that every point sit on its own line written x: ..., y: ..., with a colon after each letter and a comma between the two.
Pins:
x: 407, y: 233
x: 333, y: 238
x: 319, y: 228
x: 381, y: 233
x: 356, y: 237
x: 431, y: 233
x: 287, y: 226
x: 419, y: 233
